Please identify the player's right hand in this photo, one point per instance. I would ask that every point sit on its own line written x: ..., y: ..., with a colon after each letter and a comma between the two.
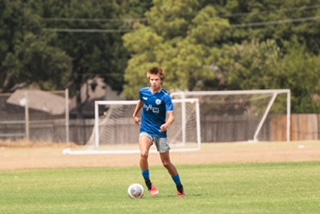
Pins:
x: 137, y: 120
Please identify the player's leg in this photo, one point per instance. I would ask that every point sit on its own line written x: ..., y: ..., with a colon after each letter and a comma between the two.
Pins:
x: 163, y: 148
x: 165, y: 158
x: 145, y: 142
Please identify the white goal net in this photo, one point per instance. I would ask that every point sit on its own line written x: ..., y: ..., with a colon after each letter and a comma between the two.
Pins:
x: 115, y: 132
x: 243, y: 115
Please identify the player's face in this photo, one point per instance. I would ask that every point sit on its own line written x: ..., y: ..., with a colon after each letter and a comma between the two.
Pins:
x: 155, y: 81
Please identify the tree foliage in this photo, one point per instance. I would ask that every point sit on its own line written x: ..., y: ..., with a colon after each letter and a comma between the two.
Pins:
x: 29, y: 55
x: 202, y: 44
x: 58, y: 44
x: 230, y: 45
x: 177, y: 39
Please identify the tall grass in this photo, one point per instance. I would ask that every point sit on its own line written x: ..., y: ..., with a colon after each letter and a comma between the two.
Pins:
x: 227, y: 188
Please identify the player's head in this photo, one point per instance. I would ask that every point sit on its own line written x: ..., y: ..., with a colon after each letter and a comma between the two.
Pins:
x: 157, y: 71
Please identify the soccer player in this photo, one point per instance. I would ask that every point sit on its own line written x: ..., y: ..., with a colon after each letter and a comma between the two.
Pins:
x: 156, y: 104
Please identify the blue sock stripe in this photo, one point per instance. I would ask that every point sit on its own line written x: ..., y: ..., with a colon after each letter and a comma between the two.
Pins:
x: 177, y: 180
x: 146, y: 174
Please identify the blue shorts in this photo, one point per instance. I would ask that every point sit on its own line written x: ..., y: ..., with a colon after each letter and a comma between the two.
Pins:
x: 161, y: 143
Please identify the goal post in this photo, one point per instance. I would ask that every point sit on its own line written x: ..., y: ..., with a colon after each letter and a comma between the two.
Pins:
x: 115, y: 132
x: 243, y: 115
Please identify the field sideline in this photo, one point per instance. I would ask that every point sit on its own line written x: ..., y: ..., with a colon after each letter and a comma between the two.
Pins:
x: 21, y: 155
x: 221, y: 178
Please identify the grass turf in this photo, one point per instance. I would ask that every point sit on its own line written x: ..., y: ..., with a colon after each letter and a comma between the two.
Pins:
x: 222, y: 188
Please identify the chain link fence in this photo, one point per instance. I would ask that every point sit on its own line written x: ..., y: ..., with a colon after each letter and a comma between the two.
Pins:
x: 44, y: 116
x: 35, y: 115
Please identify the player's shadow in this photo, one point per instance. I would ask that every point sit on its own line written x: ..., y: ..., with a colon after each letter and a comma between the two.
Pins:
x: 175, y: 196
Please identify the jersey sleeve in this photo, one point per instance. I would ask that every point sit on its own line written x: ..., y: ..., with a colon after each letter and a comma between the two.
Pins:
x: 140, y: 94
x: 169, y: 104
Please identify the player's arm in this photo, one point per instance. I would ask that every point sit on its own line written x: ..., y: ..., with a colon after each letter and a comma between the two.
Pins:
x: 170, y: 120
x: 138, y: 108
x: 170, y: 114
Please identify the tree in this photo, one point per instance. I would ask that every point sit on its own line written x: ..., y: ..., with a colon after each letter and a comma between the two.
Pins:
x: 272, y: 20
x: 27, y: 54
x: 59, y: 44
x: 263, y: 65
x: 90, y: 32
x: 230, y: 45
x: 300, y: 71
x: 178, y: 38
x: 250, y: 65
x: 35, y: 61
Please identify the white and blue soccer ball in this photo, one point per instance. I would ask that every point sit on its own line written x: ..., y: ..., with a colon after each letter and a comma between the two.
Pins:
x: 136, y: 191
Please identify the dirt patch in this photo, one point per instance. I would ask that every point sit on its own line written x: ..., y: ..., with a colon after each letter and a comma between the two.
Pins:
x: 17, y: 155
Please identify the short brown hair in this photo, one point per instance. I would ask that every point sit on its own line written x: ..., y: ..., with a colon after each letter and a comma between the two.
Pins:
x: 157, y: 71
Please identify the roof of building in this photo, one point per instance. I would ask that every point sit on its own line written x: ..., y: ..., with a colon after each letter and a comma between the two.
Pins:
x: 39, y: 100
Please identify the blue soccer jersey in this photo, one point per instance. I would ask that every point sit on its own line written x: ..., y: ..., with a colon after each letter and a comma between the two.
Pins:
x: 155, y: 108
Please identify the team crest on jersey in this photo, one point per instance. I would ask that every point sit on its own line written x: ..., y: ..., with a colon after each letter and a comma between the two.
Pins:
x: 158, y: 101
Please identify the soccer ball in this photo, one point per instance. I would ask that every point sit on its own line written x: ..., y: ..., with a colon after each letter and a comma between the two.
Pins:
x: 136, y: 191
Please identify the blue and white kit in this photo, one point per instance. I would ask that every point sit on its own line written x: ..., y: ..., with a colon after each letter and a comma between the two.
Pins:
x: 155, y: 108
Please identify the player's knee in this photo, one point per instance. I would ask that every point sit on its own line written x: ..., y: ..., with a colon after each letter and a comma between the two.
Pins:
x: 166, y: 164
x: 144, y: 155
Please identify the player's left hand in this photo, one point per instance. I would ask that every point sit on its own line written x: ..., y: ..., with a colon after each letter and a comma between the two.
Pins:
x: 163, y: 128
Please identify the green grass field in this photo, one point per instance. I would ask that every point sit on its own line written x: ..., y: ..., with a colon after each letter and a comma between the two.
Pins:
x: 221, y: 188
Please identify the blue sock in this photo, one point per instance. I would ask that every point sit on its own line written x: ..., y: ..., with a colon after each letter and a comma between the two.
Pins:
x: 146, y: 175
x: 177, y: 180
